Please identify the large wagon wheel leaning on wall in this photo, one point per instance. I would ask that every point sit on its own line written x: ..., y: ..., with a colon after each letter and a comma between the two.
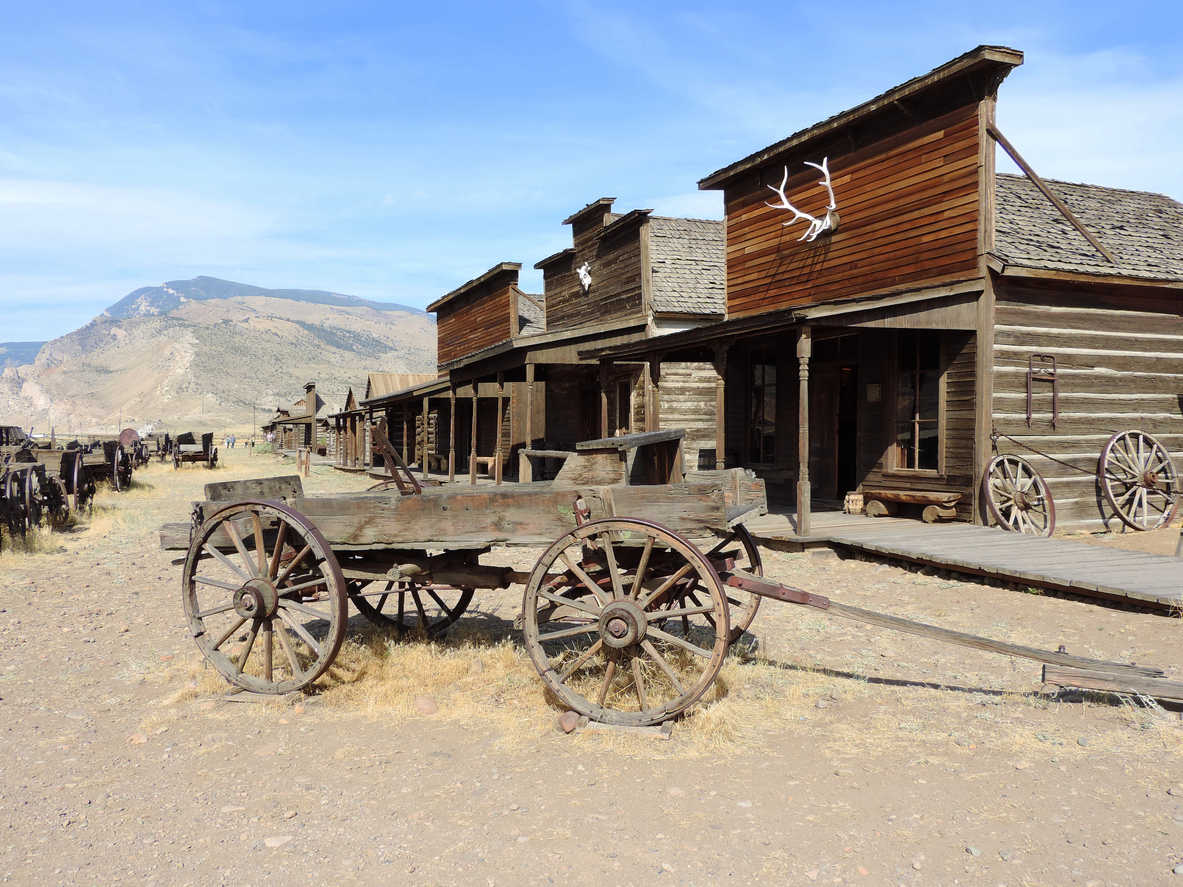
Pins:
x: 626, y: 621
x: 264, y: 597
x: 1139, y: 480
x: 739, y: 545
x: 409, y: 607
x: 1017, y: 496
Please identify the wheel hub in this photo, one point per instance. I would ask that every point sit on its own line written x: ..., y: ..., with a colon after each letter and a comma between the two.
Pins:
x: 622, y: 624
x: 257, y: 599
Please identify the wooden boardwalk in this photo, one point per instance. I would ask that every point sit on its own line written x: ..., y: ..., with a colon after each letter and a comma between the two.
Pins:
x: 1061, y: 564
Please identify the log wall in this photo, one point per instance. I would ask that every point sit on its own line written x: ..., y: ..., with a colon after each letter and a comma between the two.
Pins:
x: 688, y: 401
x: 1119, y: 361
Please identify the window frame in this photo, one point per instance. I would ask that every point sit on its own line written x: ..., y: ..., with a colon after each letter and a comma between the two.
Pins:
x: 893, y: 465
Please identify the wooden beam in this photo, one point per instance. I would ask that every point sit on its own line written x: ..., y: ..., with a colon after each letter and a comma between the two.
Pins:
x: 1047, y: 192
x: 452, y: 433
x: 426, y: 436
x: 472, y: 443
x: 721, y: 349
x: 500, y: 428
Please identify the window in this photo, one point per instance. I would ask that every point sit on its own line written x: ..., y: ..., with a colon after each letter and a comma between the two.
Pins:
x: 917, y: 442
x: 762, y: 406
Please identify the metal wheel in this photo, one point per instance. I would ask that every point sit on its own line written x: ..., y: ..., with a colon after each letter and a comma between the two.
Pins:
x: 212, y: 462
x: 84, y: 485
x: 626, y: 621
x: 1139, y: 480
x: 34, y: 497
x: 739, y: 546
x: 409, y: 607
x: 264, y: 597
x: 1017, y: 496
x: 120, y: 477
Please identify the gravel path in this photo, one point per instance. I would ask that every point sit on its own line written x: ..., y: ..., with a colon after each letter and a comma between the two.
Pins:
x: 839, y: 759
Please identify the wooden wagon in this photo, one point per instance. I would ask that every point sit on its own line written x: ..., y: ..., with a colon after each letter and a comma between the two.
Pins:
x: 627, y: 613
x: 186, y: 449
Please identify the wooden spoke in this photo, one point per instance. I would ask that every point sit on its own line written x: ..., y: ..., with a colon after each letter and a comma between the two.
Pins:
x: 638, y: 657
x: 1017, y: 497
x: 299, y: 604
x: 1139, y: 480
x: 432, y: 607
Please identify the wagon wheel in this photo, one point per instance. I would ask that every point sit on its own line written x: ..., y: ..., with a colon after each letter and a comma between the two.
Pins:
x: 626, y: 621
x: 176, y: 457
x: 1139, y: 480
x: 1017, y: 497
x: 14, y: 501
x: 409, y: 607
x: 742, y: 605
x: 84, y: 485
x: 57, y: 501
x: 124, y: 467
x: 116, y: 467
x: 212, y: 462
x: 264, y: 597
x: 34, y: 498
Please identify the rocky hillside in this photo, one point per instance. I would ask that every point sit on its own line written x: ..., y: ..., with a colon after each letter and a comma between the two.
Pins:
x: 202, y: 353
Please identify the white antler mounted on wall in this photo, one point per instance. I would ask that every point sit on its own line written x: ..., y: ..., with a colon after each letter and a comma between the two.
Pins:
x: 816, y: 226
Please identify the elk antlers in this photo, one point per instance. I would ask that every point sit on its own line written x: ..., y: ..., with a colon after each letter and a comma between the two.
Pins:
x: 816, y: 226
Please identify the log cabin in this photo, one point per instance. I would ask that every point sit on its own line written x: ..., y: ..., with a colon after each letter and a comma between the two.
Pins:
x: 514, y: 391
x: 898, y: 312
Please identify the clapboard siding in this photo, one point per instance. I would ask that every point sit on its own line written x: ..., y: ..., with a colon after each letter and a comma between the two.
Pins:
x: 1119, y: 362
x: 909, y: 215
x: 479, y: 321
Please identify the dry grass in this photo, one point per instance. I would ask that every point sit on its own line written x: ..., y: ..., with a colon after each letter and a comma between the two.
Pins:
x: 785, y: 688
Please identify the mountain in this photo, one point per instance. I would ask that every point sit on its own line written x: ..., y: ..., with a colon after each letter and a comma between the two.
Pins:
x: 210, y: 354
x: 15, y: 354
x: 169, y: 296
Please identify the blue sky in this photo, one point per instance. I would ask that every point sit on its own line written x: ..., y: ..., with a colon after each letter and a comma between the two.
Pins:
x: 393, y: 151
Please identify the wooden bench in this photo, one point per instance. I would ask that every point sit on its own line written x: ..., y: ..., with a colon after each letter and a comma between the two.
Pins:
x: 937, y: 505
x: 437, y: 462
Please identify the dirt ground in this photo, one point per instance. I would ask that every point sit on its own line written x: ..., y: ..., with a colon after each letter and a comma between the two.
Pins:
x: 828, y: 753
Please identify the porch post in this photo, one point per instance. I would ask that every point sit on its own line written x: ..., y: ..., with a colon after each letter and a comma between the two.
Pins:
x: 529, y: 406
x: 603, y: 400
x: 472, y: 452
x: 407, y: 457
x: 654, y: 394
x: 804, y: 351
x: 720, y: 405
x: 426, y: 437
x: 500, y: 428
x: 452, y: 433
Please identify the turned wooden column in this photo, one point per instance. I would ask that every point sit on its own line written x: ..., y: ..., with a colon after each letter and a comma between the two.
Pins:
x: 472, y: 451
x: 720, y: 405
x: 426, y: 436
x: 500, y: 428
x: 804, y: 351
x: 452, y: 433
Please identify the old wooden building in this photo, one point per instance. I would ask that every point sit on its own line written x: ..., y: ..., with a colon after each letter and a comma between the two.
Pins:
x: 898, y: 312
x: 514, y: 379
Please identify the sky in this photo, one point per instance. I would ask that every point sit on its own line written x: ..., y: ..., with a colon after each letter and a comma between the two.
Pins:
x: 395, y: 150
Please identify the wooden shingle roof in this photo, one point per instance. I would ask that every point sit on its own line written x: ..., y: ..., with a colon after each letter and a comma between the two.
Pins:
x: 689, y: 269
x: 1143, y: 231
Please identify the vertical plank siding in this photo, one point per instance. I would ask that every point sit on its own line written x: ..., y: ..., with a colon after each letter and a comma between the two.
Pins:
x: 909, y: 216
x: 1120, y: 367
